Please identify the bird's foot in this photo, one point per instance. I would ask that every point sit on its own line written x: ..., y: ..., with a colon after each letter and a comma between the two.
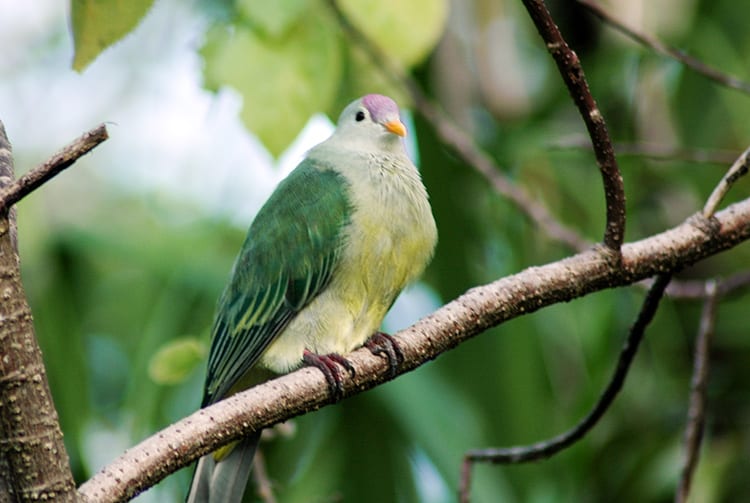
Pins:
x: 329, y: 365
x: 382, y: 344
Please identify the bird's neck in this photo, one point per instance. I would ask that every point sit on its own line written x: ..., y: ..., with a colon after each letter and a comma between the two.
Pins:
x: 387, y: 143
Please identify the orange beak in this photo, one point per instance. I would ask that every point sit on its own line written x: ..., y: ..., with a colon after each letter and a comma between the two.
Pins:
x: 395, y: 127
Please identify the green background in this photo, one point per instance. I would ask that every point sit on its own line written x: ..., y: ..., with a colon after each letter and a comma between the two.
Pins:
x: 117, y: 274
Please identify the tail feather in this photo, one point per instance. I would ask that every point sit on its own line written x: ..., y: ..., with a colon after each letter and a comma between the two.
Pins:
x: 224, y: 481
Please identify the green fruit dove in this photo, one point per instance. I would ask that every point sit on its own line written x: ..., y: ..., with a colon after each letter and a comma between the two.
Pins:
x: 323, y: 261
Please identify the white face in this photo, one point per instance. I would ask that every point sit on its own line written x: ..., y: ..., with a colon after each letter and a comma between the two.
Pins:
x: 358, y: 129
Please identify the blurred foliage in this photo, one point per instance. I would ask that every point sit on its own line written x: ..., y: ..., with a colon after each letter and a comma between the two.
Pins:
x: 113, y: 287
x: 91, y: 35
x: 300, y: 63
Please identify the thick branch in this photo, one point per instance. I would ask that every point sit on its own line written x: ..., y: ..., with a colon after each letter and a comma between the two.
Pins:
x: 29, y: 182
x: 573, y: 76
x: 477, y: 310
x: 34, y: 460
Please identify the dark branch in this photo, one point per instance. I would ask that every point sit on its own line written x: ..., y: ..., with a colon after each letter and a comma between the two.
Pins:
x: 697, y: 409
x: 29, y: 182
x: 454, y: 137
x: 547, y: 448
x: 574, y: 78
x: 654, y: 44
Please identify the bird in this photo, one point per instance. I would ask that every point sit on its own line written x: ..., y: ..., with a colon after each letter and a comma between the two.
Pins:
x: 324, y: 260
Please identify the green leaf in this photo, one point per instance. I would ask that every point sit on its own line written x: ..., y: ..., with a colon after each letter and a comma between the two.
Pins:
x: 174, y: 361
x: 97, y: 24
x: 283, y: 81
x: 406, y: 31
x: 272, y: 18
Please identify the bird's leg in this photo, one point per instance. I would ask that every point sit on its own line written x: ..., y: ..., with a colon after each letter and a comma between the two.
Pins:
x: 382, y: 344
x: 327, y: 365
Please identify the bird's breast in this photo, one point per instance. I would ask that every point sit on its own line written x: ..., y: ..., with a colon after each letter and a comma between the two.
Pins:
x: 386, y: 245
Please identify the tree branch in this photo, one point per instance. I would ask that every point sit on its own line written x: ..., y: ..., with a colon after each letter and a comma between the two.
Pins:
x: 454, y: 137
x: 654, y: 151
x: 654, y: 44
x: 478, y: 309
x: 464, y: 145
x: 547, y: 448
x: 34, y: 462
x: 736, y: 171
x: 29, y: 182
x: 262, y: 480
x: 574, y: 78
x: 698, y: 289
x: 697, y: 408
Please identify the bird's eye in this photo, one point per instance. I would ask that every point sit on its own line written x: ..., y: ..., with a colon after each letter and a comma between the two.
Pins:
x: 360, y: 116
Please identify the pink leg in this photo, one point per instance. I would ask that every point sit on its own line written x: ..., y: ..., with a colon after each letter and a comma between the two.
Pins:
x: 329, y: 365
x: 382, y: 344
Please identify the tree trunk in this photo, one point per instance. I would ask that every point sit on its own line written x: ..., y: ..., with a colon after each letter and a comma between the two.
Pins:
x: 34, y: 464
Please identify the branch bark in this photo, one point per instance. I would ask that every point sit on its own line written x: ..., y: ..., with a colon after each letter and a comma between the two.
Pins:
x: 478, y: 309
x: 35, y: 463
x: 574, y: 78
x: 16, y: 190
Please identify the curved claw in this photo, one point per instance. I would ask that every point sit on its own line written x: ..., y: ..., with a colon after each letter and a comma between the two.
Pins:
x: 328, y: 365
x: 382, y: 344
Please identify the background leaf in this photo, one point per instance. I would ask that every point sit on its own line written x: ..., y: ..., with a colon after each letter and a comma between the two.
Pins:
x: 283, y: 81
x: 97, y: 24
x: 405, y: 31
x: 272, y: 18
x: 174, y: 361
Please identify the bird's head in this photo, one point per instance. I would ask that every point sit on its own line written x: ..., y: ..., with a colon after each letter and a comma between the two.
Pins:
x: 372, y: 121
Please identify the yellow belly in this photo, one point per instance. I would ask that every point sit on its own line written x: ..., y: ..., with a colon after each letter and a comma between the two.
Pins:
x: 388, y: 243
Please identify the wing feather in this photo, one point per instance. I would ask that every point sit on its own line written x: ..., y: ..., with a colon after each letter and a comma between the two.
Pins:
x: 290, y: 253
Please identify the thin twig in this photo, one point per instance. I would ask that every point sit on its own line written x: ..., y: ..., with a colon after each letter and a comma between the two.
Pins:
x: 653, y: 43
x: 33, y: 179
x: 547, y: 448
x: 736, y: 171
x: 738, y: 281
x: 654, y: 151
x: 698, y: 289
x: 464, y: 145
x: 572, y: 73
x: 455, y: 138
x: 264, y: 487
x: 697, y: 409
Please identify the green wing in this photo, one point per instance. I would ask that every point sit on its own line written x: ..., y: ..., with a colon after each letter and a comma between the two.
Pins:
x: 289, y: 255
